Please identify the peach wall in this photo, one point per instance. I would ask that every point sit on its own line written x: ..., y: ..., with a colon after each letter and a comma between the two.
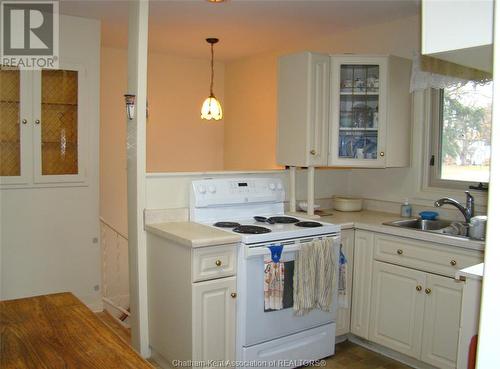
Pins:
x: 250, y: 129
x: 113, y: 138
x: 178, y: 140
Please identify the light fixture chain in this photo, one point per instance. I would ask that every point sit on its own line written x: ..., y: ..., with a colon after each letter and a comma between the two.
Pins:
x: 212, y: 69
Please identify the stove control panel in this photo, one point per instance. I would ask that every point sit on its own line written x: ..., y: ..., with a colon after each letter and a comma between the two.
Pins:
x: 227, y: 191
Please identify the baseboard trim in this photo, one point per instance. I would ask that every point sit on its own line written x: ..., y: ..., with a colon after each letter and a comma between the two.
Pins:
x: 414, y: 363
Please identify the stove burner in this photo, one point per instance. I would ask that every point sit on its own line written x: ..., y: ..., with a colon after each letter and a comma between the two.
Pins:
x: 308, y: 224
x: 283, y: 220
x: 251, y: 229
x: 227, y: 224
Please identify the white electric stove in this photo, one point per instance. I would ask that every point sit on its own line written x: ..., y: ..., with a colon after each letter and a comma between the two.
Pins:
x: 254, y: 209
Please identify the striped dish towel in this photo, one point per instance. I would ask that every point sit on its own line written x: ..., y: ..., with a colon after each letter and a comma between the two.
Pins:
x: 314, y: 276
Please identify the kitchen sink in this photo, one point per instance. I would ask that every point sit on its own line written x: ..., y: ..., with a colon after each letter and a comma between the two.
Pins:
x: 452, y: 228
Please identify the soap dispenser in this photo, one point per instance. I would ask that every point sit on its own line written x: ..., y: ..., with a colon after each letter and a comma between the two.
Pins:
x: 406, y: 209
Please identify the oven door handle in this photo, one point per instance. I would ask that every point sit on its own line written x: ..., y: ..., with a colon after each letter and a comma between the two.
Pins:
x: 264, y: 250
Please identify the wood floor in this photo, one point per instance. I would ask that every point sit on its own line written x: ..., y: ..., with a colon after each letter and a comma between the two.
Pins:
x: 347, y: 356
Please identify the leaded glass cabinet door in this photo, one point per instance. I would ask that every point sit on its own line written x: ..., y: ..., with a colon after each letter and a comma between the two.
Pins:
x: 58, y: 135
x: 15, y: 125
x: 358, y: 111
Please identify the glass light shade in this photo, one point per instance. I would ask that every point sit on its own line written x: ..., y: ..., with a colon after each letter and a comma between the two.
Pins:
x: 211, y: 109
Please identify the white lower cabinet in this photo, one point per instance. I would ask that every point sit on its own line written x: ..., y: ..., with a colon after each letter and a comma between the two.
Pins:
x: 397, y: 308
x: 214, y: 316
x: 405, y: 297
x: 416, y: 313
x: 191, y: 302
x: 441, y: 321
x: 361, y: 284
x: 344, y: 311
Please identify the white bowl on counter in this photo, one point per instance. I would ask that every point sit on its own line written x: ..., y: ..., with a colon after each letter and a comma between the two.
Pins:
x: 345, y: 203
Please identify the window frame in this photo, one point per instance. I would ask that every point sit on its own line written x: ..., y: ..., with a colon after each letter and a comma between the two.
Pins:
x: 435, y: 151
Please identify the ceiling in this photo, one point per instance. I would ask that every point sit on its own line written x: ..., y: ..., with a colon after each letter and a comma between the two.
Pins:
x: 245, y: 27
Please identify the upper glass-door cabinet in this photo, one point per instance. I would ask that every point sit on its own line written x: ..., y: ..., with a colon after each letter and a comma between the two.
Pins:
x: 358, y: 111
x: 42, y: 131
x: 15, y: 133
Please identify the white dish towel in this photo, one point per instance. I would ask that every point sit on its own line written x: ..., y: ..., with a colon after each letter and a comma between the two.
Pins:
x: 314, y: 276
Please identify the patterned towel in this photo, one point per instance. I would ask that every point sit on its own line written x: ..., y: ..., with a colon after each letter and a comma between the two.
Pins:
x: 314, y: 276
x: 343, y: 301
x: 274, y: 276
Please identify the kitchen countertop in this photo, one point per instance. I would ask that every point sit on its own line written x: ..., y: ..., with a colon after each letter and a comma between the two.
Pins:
x: 192, y: 234
x: 473, y: 272
x: 372, y: 221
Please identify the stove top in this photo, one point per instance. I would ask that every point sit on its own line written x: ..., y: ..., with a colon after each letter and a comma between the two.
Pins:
x: 226, y: 224
x: 251, y: 229
x: 308, y: 224
x: 283, y: 220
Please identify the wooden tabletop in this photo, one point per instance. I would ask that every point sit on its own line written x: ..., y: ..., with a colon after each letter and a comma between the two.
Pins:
x: 58, y: 331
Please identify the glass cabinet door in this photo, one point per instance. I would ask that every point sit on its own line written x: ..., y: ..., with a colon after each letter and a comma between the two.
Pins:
x: 57, y: 126
x: 59, y: 122
x: 358, y: 133
x: 14, y: 125
x: 358, y: 111
x: 10, y: 119
x: 41, y: 137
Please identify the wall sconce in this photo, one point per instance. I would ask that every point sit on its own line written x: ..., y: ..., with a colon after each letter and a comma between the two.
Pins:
x: 130, y: 105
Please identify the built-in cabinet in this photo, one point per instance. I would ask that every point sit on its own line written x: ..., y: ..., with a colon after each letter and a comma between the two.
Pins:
x: 343, y: 110
x: 361, y: 283
x: 416, y: 313
x: 43, y: 125
x: 192, y: 301
x: 397, y: 309
x: 303, y: 109
x: 405, y: 296
x: 214, y: 317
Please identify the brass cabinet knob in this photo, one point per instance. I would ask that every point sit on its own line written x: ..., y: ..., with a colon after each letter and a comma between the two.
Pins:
x: 428, y: 291
x: 313, y: 152
x: 24, y: 121
x: 37, y: 121
x: 382, y: 153
x: 400, y: 252
x: 419, y: 288
x: 453, y: 262
x: 218, y: 263
x: 233, y: 295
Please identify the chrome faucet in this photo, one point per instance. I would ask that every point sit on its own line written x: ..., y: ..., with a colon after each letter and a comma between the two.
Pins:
x: 467, y: 211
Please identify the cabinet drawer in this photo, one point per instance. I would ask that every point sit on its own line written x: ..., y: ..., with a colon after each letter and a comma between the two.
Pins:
x: 213, y: 262
x: 426, y: 256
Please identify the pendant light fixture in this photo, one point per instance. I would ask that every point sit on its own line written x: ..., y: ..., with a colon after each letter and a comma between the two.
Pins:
x: 211, y: 108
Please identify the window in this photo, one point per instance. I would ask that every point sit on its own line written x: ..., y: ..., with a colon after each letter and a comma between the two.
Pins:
x: 461, y: 136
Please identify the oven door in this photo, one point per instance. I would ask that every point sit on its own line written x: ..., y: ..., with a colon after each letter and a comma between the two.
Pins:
x: 257, y: 325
